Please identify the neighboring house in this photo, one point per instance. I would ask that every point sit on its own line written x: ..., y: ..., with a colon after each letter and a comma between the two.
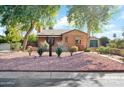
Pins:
x: 66, y: 38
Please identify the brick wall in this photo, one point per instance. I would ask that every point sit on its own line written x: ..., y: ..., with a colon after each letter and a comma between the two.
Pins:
x: 71, y: 39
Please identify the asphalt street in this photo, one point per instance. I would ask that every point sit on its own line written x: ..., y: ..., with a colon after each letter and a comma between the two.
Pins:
x: 61, y: 79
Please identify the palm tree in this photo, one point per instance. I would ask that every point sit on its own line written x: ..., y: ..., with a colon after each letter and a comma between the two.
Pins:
x: 114, y: 35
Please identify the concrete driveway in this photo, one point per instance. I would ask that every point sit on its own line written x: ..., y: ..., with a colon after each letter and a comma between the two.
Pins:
x: 61, y: 79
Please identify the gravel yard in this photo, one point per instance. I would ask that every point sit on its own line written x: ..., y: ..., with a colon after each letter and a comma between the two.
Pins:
x: 20, y: 61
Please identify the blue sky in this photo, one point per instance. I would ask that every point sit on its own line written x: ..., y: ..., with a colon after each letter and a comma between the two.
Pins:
x: 115, y: 25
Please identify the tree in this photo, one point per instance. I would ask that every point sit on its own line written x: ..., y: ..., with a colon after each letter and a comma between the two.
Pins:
x: 93, y: 17
x: 28, y: 17
x: 104, y: 41
x: 12, y: 34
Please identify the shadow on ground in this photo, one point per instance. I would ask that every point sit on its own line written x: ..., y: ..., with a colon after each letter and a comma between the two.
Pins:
x: 76, y: 80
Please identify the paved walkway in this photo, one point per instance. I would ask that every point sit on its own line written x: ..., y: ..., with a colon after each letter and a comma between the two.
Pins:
x: 20, y: 61
x: 61, y: 79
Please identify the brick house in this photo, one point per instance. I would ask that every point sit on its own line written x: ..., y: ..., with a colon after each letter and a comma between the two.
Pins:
x: 65, y: 38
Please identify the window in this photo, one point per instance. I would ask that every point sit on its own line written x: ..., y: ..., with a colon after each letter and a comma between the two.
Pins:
x: 93, y: 43
x: 78, y: 40
x: 66, y: 39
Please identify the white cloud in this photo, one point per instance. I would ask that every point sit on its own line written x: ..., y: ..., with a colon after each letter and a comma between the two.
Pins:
x: 110, y: 33
x: 62, y: 22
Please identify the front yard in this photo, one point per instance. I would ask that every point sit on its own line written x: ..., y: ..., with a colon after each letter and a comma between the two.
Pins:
x: 81, y: 61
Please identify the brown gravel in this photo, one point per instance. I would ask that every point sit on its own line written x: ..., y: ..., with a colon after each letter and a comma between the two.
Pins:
x: 20, y: 61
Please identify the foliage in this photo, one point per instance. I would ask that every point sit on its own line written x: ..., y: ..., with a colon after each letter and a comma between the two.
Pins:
x: 44, y: 45
x: 94, y: 17
x: 58, y: 51
x: 117, y: 51
x: 104, y: 41
x: 12, y: 34
x: 73, y: 49
x: 40, y: 51
x: 112, y: 44
x: 122, y: 53
x: 3, y: 39
x: 118, y: 43
x: 114, y: 51
x: 30, y: 49
x: 122, y: 59
x: 87, y: 50
x: 28, y: 17
x: 103, y: 50
x: 32, y: 38
x: 16, y: 46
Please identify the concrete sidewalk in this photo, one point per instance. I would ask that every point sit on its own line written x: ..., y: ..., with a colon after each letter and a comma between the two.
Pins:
x: 64, y: 79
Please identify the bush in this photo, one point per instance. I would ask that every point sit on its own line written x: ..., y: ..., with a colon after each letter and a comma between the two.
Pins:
x: 117, y: 44
x: 122, y: 53
x: 3, y: 39
x: 122, y: 59
x: 40, y: 51
x: 104, y: 41
x: 44, y: 45
x: 73, y: 49
x: 87, y: 50
x: 117, y: 51
x: 103, y: 50
x: 16, y: 46
x: 114, y: 51
x: 121, y: 46
x: 32, y: 38
x: 58, y: 51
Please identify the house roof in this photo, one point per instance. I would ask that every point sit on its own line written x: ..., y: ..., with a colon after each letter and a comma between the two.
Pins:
x: 55, y: 32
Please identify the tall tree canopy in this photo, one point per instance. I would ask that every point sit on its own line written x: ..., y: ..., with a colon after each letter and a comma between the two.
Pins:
x: 91, y: 16
x: 28, y: 17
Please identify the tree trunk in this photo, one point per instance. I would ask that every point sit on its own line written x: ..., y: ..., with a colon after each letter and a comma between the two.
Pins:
x: 50, y: 50
x: 25, y: 40
x: 88, y: 32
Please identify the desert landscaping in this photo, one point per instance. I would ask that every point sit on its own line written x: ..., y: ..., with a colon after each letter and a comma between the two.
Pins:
x: 80, y: 61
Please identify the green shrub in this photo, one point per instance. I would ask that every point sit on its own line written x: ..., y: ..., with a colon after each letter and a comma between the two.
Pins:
x: 58, y: 51
x: 87, y: 50
x: 112, y: 45
x: 122, y: 53
x: 32, y: 38
x: 40, y: 51
x: 104, y: 41
x: 16, y: 46
x: 118, y: 43
x: 114, y: 51
x: 122, y: 59
x: 3, y: 39
x: 103, y: 50
x: 73, y: 49
x: 121, y: 45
